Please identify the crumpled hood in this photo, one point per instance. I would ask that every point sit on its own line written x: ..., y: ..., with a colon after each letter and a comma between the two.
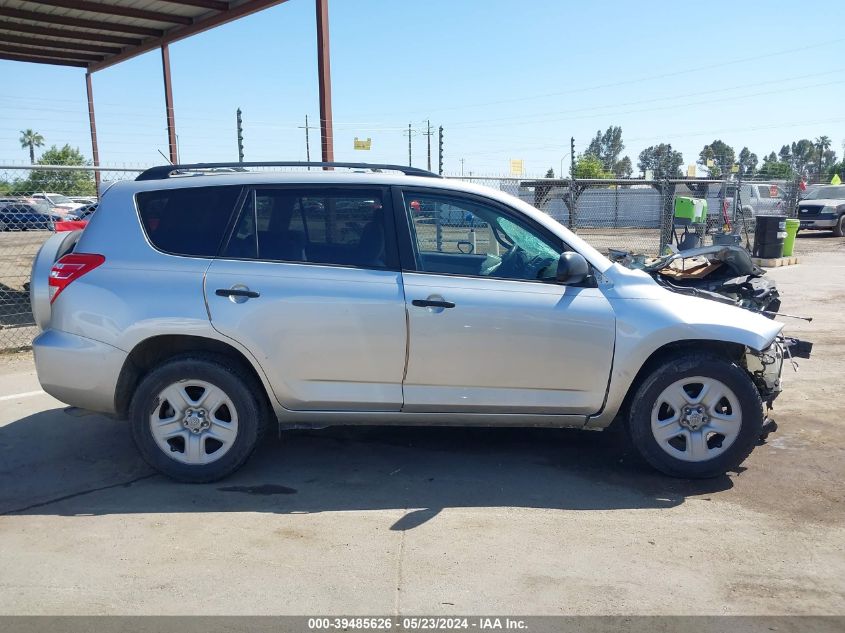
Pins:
x: 737, y: 257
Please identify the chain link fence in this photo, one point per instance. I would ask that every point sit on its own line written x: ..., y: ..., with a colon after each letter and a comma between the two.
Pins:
x: 638, y: 215
x: 34, y: 201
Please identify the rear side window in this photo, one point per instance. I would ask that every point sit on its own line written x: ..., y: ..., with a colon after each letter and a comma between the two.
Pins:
x: 190, y: 221
x: 344, y: 228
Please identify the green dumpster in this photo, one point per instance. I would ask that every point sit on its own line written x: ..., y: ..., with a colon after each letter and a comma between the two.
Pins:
x: 791, y: 232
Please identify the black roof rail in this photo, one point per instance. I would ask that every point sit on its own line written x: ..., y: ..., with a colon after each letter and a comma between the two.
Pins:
x: 164, y: 171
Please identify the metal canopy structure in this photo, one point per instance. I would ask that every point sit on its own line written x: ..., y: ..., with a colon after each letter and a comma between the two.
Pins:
x: 96, y: 34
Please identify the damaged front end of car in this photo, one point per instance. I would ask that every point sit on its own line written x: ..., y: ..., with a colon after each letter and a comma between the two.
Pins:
x: 766, y: 366
x: 722, y: 273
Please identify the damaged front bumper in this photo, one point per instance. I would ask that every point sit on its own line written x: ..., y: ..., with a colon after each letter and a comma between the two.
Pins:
x: 766, y: 367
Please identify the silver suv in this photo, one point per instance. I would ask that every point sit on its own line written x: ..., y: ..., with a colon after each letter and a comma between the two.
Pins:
x: 205, y: 306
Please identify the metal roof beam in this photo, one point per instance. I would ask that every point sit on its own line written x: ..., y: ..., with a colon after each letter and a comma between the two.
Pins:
x: 54, y: 31
x: 41, y: 60
x: 213, y: 5
x: 51, y: 18
x: 51, y: 53
x: 178, y: 33
x: 113, y: 9
x: 40, y: 42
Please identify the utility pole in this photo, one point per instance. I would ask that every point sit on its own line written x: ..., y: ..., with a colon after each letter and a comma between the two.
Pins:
x: 440, y: 151
x: 240, y: 137
x: 428, y: 133
x: 571, y: 157
x: 462, y: 168
x: 307, y: 140
x: 409, y: 133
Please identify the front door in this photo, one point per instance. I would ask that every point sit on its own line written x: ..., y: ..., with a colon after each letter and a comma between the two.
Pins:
x: 309, y: 283
x: 489, y: 332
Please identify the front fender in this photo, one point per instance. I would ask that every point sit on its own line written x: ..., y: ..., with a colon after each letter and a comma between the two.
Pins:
x: 652, y: 318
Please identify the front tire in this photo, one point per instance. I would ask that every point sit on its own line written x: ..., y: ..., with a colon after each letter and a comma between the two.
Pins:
x: 696, y: 416
x: 839, y: 229
x: 194, y: 419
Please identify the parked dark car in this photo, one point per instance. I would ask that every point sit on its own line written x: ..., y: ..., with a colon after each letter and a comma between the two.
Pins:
x: 24, y: 217
x: 824, y: 209
x: 85, y: 213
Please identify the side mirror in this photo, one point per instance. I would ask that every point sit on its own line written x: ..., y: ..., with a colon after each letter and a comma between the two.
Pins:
x: 572, y: 268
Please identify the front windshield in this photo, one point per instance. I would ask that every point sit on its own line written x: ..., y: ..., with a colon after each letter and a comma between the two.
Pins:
x: 57, y: 198
x: 833, y: 191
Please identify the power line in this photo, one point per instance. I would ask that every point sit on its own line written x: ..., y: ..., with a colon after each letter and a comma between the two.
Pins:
x: 642, y: 79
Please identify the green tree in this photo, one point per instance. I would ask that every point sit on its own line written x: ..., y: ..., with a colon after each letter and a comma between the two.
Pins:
x: 803, y: 156
x: 67, y: 182
x: 775, y: 167
x: 835, y: 169
x: 607, y: 147
x: 662, y: 160
x: 623, y: 168
x: 589, y: 166
x: 826, y: 157
x: 31, y: 140
x: 720, y: 154
x: 550, y: 173
x: 747, y: 163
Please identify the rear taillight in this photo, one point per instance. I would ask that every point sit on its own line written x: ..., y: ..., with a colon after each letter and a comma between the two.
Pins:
x: 70, y: 268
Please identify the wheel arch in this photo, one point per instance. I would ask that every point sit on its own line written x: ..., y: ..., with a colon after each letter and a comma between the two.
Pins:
x: 729, y: 350
x: 723, y: 349
x: 151, y: 352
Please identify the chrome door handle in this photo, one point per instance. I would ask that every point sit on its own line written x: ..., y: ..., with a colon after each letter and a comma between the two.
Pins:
x: 427, y: 303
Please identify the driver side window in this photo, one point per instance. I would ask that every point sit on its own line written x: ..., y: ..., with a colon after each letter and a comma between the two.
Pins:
x: 460, y: 236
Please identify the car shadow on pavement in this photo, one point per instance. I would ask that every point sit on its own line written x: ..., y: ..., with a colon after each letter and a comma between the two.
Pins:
x: 66, y: 463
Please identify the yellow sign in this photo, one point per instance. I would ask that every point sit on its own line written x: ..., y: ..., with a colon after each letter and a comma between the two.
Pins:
x: 363, y: 143
x: 690, y: 171
x: 734, y: 169
x: 517, y: 167
x: 710, y: 162
x: 836, y: 180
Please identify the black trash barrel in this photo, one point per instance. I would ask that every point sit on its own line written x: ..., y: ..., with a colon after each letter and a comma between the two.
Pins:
x: 769, y: 233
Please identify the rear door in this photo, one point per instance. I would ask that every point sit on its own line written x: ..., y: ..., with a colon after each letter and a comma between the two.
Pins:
x: 309, y: 281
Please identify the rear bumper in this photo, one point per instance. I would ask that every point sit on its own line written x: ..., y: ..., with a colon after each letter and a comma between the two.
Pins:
x: 79, y: 371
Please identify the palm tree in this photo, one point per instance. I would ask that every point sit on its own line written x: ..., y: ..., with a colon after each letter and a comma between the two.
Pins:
x: 823, y: 143
x: 31, y: 140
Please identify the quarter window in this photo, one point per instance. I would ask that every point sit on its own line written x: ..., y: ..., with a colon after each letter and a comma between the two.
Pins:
x: 346, y: 228
x: 188, y: 221
x: 465, y: 237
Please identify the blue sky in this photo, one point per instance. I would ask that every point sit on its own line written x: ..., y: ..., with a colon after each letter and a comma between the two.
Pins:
x: 507, y: 80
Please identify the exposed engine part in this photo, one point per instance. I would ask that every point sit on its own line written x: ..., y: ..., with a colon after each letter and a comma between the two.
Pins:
x: 723, y: 273
x: 765, y: 369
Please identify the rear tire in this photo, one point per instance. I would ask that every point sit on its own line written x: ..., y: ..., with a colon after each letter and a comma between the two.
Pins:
x: 208, y: 430
x: 696, y: 416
